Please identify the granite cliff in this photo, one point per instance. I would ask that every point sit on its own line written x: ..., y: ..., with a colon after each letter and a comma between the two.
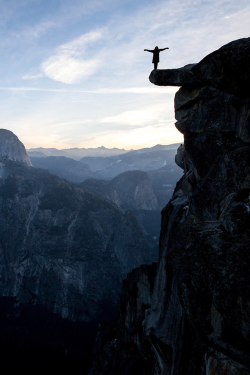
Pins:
x: 199, y: 319
x: 63, y: 254
x: 12, y: 149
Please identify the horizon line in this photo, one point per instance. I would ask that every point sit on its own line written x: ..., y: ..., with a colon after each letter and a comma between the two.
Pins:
x: 95, y: 148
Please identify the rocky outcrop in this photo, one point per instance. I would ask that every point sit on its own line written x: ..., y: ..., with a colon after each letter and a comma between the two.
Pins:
x: 222, y: 69
x: 11, y: 148
x: 199, y: 319
x: 175, y: 77
x: 202, y: 287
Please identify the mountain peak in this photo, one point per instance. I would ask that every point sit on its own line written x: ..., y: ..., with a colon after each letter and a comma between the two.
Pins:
x: 12, y: 148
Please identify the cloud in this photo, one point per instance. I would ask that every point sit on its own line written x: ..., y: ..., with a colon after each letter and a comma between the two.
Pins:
x: 35, y: 31
x: 134, y: 138
x: 152, y: 115
x: 69, y: 70
x: 124, y: 114
x: 138, y: 117
x: 68, y: 64
x: 122, y: 90
x: 138, y: 90
x: 33, y: 76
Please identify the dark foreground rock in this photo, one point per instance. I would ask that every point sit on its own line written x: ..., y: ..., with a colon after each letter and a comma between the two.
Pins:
x: 35, y: 339
x: 227, y: 69
x: 122, y: 349
x: 202, y: 287
x: 199, y: 319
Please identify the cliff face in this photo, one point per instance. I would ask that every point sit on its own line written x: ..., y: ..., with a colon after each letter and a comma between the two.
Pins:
x: 199, y: 320
x: 11, y: 148
x: 200, y: 309
x: 63, y: 247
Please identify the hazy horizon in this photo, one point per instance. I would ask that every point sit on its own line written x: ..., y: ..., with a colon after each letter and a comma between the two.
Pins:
x: 110, y: 148
x: 75, y: 74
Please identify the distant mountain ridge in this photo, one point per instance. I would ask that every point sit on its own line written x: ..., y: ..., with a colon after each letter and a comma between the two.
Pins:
x: 78, y: 153
x: 144, y: 159
x: 75, y: 153
x: 63, y: 167
x: 158, y: 162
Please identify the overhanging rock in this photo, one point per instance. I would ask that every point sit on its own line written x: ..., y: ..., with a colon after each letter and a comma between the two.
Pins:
x: 175, y: 77
x: 222, y: 69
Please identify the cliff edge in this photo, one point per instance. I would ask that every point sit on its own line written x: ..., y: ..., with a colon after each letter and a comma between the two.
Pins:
x: 200, y: 311
x: 199, y: 319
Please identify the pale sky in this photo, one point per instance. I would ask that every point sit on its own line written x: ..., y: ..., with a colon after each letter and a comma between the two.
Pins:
x: 74, y: 73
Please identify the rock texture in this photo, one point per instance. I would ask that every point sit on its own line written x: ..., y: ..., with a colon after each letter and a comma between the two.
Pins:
x: 11, y: 148
x: 199, y: 319
x: 227, y: 69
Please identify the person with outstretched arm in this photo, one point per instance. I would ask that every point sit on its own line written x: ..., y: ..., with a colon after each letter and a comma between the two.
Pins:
x: 156, y: 55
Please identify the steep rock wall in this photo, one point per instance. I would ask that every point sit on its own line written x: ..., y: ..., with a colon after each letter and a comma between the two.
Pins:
x: 199, y: 319
x: 202, y: 290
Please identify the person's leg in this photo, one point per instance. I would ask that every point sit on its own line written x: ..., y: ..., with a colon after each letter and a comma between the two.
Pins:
x: 155, y: 65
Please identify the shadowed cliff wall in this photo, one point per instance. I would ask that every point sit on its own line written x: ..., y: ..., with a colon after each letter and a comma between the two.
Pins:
x: 199, y: 319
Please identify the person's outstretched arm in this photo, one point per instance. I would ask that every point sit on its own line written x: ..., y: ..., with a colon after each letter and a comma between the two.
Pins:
x: 163, y: 49
x: 149, y: 50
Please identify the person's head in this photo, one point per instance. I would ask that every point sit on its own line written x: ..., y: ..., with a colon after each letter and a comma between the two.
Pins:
x: 156, y: 47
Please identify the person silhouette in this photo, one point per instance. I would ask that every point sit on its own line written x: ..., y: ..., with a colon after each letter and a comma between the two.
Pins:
x: 156, y: 55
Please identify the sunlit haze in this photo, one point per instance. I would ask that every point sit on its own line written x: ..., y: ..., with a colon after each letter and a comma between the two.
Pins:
x: 75, y: 74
